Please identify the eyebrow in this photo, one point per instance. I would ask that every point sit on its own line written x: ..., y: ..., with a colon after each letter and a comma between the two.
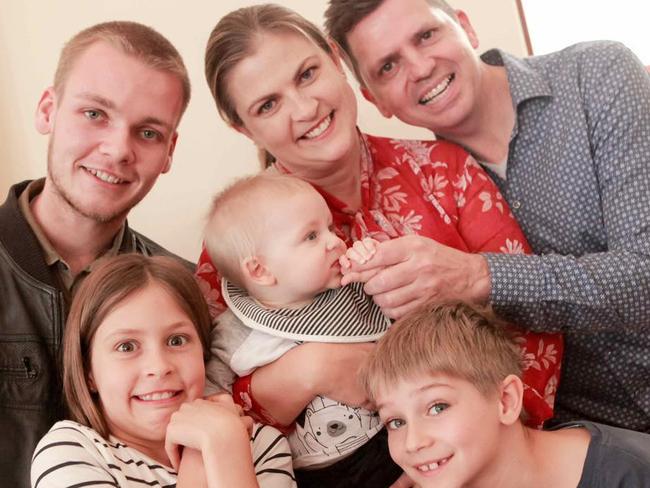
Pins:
x: 174, y: 326
x: 110, y: 105
x: 426, y: 387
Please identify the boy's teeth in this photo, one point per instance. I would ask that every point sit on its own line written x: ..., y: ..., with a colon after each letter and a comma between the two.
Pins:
x: 157, y: 396
x: 104, y: 176
x: 437, y: 90
x: 322, y: 127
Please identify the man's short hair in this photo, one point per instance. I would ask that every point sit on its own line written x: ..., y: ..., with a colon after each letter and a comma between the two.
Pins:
x: 132, y: 38
x: 235, y: 229
x: 342, y: 16
x: 455, y: 340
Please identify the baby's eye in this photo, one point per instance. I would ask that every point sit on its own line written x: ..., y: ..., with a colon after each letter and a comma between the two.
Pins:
x: 394, y: 424
x: 177, y: 340
x: 311, y: 236
x: 438, y: 408
x: 126, y: 347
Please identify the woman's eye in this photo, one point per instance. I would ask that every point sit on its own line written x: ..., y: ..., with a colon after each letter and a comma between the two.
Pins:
x: 266, y: 106
x: 92, y: 114
x: 126, y: 347
x: 438, y: 408
x: 177, y: 340
x: 393, y: 424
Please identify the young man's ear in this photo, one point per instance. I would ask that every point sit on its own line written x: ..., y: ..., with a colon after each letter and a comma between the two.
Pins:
x: 256, y: 272
x: 511, y: 394
x: 466, y: 25
x: 170, y: 153
x: 45, y: 111
x: 367, y: 94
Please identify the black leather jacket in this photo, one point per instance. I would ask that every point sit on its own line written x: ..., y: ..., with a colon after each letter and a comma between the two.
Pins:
x: 32, y: 316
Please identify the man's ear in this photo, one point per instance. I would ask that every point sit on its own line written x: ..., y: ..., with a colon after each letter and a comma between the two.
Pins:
x: 367, y: 94
x: 45, y: 111
x: 511, y: 394
x: 254, y: 270
x: 466, y: 25
x: 170, y: 153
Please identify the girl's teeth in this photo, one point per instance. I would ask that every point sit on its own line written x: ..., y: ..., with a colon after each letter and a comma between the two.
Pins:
x: 322, y: 127
x: 428, y: 467
x: 157, y: 396
x: 104, y: 176
x: 437, y: 90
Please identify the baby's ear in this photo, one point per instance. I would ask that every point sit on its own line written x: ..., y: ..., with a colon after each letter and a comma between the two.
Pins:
x: 511, y: 394
x: 256, y: 272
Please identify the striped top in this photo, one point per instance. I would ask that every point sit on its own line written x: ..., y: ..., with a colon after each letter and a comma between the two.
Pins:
x: 326, y: 319
x: 73, y: 455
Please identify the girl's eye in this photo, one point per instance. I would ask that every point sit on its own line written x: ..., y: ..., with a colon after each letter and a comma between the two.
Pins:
x: 311, y: 236
x: 126, y: 347
x: 437, y: 408
x: 308, y: 74
x: 266, y: 106
x: 149, y: 134
x: 177, y: 340
x: 394, y: 424
x: 92, y: 114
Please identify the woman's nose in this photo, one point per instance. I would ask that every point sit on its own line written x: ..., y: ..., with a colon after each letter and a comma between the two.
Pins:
x: 305, y: 107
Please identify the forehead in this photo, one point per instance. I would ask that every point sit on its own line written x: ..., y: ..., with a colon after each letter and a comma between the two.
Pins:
x: 136, y: 89
x: 295, y: 209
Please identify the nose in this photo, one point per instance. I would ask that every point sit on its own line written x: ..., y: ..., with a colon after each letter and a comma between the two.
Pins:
x: 416, y: 438
x: 420, y: 65
x: 333, y: 241
x: 156, y: 363
x: 304, y: 106
x: 117, y: 145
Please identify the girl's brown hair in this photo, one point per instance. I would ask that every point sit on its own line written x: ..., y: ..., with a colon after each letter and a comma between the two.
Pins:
x: 110, y: 283
x: 234, y: 39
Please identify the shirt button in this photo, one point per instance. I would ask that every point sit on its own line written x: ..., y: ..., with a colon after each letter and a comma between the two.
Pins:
x: 516, y: 204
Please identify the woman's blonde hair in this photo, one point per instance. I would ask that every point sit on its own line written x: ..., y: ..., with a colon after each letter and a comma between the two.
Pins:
x: 113, y: 280
x: 235, y: 37
x: 454, y: 340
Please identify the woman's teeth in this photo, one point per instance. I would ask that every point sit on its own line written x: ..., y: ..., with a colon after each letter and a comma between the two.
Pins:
x: 320, y: 128
x: 436, y: 90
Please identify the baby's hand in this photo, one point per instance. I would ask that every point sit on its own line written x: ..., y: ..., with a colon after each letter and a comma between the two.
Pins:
x: 360, y: 253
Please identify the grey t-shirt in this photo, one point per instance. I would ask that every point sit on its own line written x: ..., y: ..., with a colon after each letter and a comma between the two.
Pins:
x: 616, y: 458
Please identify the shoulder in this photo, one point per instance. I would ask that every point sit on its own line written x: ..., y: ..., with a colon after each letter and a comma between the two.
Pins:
x: 147, y: 246
x: 423, y: 152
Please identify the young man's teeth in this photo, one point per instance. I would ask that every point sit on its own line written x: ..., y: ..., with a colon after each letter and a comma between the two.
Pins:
x: 322, y: 127
x: 428, y: 467
x: 157, y: 396
x: 437, y: 90
x: 104, y: 176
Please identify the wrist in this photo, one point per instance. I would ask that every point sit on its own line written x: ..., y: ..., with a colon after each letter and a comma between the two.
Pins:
x: 480, y: 280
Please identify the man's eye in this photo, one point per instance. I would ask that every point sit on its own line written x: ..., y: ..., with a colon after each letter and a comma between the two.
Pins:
x: 149, y: 134
x: 92, y: 114
x: 126, y: 347
x: 394, y: 424
x: 386, y: 68
x: 438, y: 408
x: 266, y: 106
x: 177, y: 340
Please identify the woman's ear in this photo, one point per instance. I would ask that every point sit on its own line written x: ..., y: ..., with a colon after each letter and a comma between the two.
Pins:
x: 256, y: 272
x: 243, y: 130
x: 511, y: 393
x: 335, y: 55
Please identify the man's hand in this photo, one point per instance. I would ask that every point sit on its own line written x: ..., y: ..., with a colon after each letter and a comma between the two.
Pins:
x: 417, y: 269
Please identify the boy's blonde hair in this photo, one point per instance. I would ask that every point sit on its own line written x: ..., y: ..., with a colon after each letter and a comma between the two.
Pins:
x: 455, y: 340
x: 236, y: 226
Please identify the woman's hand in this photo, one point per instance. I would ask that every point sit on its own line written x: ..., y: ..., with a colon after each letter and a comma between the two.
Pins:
x: 408, y: 271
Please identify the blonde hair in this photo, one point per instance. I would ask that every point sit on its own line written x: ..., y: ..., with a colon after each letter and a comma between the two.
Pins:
x: 114, y: 280
x: 456, y: 340
x: 235, y: 37
x: 235, y: 229
x: 132, y: 38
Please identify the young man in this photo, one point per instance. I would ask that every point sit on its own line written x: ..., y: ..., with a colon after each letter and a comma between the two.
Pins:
x: 118, y: 95
x: 567, y: 139
x: 452, y: 409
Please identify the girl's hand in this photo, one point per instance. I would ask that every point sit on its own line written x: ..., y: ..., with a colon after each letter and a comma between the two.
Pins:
x: 206, y: 426
x: 226, y: 401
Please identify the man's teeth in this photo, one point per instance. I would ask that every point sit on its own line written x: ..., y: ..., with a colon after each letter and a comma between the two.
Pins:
x: 322, y: 127
x: 436, y: 90
x: 104, y: 176
x: 164, y: 395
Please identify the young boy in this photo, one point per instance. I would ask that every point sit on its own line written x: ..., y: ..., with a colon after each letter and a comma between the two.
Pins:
x: 272, y: 238
x: 446, y: 381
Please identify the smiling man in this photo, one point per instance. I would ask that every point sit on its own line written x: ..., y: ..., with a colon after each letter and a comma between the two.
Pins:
x: 566, y: 137
x: 118, y: 95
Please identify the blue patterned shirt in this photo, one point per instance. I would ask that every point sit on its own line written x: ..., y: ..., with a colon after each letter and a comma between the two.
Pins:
x: 578, y: 182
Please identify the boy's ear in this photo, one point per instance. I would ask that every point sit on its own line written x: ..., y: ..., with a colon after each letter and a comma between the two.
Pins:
x: 254, y: 270
x: 511, y: 394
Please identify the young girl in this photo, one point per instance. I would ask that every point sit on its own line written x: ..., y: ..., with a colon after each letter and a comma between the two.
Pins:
x: 134, y: 352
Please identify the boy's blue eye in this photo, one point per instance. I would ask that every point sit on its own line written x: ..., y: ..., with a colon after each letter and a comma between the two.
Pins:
x: 394, y: 424
x: 438, y: 408
x: 177, y: 340
x: 126, y: 347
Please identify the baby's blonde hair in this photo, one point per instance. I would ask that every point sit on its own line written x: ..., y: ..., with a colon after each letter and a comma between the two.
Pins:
x: 235, y: 229
x: 455, y: 340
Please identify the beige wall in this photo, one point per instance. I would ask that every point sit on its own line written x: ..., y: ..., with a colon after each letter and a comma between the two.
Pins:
x: 208, y: 154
